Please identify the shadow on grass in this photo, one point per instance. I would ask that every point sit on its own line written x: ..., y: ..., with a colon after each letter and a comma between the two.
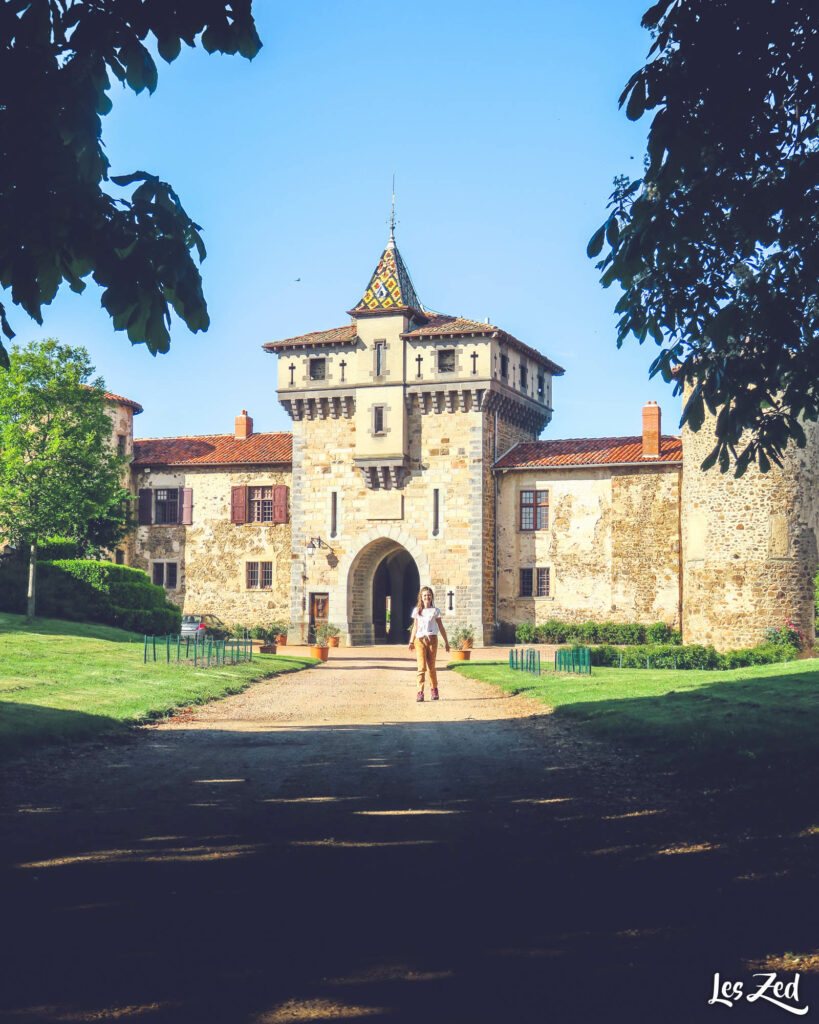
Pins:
x: 446, y: 872
x: 27, y: 726
x: 64, y: 627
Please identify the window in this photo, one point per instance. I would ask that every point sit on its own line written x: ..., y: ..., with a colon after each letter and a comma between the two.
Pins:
x: 119, y: 556
x: 535, y: 582
x: 259, y: 575
x: 318, y: 369
x: 334, y: 513
x: 504, y: 367
x: 167, y: 505
x: 436, y: 512
x: 534, y: 510
x: 524, y: 376
x: 121, y: 443
x: 541, y: 386
x: 165, y: 575
x: 378, y: 419
x: 260, y: 500
x: 379, y: 358
x: 446, y: 360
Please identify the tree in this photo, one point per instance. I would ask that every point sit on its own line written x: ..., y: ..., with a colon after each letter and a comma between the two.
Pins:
x: 56, y: 221
x: 716, y: 247
x: 59, y: 470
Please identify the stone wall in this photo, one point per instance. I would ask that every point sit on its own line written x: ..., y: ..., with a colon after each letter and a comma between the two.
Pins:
x: 749, y: 544
x: 612, y: 546
x: 212, y: 552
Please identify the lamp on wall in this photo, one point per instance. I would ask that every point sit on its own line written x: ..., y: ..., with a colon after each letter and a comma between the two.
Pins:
x: 315, y: 543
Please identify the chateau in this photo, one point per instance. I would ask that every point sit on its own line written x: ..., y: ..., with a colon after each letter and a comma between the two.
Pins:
x: 414, y: 458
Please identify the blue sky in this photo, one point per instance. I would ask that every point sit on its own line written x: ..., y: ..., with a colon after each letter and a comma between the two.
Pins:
x: 501, y: 124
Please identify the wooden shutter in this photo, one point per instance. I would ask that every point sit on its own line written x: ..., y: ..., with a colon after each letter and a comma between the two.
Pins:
x: 145, y: 503
x: 238, y: 505
x: 280, y: 504
x: 186, y: 517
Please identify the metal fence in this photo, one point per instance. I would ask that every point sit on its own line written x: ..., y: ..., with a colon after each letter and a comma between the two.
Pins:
x: 525, y: 660
x: 200, y: 651
x: 573, y: 659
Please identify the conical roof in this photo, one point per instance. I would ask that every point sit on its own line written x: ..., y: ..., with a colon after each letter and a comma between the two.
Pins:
x: 390, y: 288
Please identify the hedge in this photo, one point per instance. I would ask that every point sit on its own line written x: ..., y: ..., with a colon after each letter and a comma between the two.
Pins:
x: 689, y: 656
x: 88, y: 591
x: 586, y: 633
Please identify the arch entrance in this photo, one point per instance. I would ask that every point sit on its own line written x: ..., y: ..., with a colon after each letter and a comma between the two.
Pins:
x: 382, y: 587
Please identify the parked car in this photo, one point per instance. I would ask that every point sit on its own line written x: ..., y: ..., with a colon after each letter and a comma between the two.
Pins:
x: 204, y: 625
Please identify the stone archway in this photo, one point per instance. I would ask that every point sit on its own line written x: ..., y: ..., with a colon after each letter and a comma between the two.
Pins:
x: 385, y: 566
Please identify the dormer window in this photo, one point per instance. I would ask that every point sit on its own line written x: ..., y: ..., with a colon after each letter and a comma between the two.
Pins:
x: 446, y: 360
x: 318, y: 369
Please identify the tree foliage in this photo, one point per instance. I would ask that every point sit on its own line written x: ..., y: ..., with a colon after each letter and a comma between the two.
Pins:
x: 716, y: 247
x: 57, y: 223
x: 59, y: 470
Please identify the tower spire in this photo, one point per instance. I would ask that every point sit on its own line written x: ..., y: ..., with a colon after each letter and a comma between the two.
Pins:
x: 391, y: 243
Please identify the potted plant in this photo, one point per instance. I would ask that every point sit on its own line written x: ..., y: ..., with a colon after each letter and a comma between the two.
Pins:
x: 461, y: 641
x: 262, y: 636
x: 332, y: 634
x: 277, y: 632
x: 321, y: 648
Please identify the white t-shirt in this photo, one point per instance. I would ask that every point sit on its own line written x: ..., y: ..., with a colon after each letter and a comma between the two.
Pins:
x: 425, y: 623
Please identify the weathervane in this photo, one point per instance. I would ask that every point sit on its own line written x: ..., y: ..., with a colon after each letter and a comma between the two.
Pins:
x: 392, y: 213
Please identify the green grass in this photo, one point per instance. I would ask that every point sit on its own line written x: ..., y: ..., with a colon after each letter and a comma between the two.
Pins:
x: 66, y: 681
x: 757, y: 717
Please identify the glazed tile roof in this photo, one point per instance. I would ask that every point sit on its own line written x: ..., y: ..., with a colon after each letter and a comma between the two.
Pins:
x: 214, y: 450
x: 588, y: 451
x: 335, y: 336
x: 390, y: 287
x: 441, y: 325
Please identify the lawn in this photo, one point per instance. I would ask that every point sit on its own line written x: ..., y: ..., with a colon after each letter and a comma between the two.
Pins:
x: 759, y: 717
x: 66, y: 680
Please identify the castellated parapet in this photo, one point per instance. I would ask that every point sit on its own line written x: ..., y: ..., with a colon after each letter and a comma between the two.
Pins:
x: 749, y: 544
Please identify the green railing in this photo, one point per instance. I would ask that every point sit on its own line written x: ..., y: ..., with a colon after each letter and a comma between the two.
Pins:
x: 199, y: 651
x: 573, y: 659
x: 523, y: 660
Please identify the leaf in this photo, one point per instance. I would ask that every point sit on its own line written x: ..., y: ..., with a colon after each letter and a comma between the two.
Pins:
x: 169, y: 47
x: 612, y: 231
x: 596, y: 242
x: 635, y: 108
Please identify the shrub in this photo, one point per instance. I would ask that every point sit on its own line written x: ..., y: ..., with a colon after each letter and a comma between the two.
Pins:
x: 525, y: 633
x: 659, y: 633
x: 322, y: 635
x: 259, y: 633
x: 692, y: 656
x: 786, y: 635
x: 462, y: 637
x: 278, y: 627
x: 58, y: 547
x: 331, y: 629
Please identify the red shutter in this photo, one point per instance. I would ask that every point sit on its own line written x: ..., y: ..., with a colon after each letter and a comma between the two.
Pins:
x: 145, y: 502
x: 186, y: 518
x: 280, y: 504
x: 238, y: 505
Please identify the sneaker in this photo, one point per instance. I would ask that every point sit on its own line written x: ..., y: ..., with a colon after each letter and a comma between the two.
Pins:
x: 434, y: 694
x: 420, y: 698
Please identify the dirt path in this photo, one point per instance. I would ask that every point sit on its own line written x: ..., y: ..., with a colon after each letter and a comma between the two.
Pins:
x: 321, y: 847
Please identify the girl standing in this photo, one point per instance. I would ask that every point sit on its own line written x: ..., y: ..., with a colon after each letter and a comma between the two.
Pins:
x: 426, y: 626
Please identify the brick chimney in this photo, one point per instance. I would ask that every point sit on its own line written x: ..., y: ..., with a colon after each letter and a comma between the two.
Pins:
x: 651, y: 430
x: 244, y: 426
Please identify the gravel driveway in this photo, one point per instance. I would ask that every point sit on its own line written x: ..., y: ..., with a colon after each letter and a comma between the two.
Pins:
x: 321, y: 847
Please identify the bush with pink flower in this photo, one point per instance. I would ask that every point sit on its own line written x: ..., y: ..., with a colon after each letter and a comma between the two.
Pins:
x: 786, y: 635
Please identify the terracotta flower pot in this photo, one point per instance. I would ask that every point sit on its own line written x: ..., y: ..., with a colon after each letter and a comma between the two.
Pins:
x: 319, y: 652
x: 334, y: 641
x: 280, y: 640
x: 467, y: 645
x: 461, y: 655
x: 267, y: 649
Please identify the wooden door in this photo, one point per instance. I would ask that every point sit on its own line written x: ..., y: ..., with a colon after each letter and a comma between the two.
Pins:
x: 319, y: 607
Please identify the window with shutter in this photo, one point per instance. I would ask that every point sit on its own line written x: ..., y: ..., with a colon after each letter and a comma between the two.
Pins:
x: 238, y: 505
x: 167, y: 505
x: 187, y: 506
x: 280, y: 504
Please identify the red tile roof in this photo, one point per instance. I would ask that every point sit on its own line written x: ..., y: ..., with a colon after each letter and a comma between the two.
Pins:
x: 440, y: 324
x: 215, y: 450
x: 122, y: 401
x: 589, y: 451
x: 335, y: 336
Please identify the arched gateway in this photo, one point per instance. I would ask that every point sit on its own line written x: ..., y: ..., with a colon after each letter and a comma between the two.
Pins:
x: 383, y: 578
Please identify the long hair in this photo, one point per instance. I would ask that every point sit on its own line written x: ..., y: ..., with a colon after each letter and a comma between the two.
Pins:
x: 431, y: 598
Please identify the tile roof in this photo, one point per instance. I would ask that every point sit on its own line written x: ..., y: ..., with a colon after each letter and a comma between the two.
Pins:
x: 121, y: 401
x: 439, y: 324
x: 214, y: 450
x: 588, y: 451
x: 335, y: 336
x: 390, y: 287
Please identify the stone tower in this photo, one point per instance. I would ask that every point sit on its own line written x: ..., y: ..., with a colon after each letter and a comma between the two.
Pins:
x: 397, y: 418
x: 749, y: 544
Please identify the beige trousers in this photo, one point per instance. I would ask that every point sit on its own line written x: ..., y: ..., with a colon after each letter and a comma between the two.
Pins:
x: 426, y: 647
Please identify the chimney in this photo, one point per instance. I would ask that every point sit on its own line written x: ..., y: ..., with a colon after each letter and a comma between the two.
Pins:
x: 244, y: 426
x: 651, y: 431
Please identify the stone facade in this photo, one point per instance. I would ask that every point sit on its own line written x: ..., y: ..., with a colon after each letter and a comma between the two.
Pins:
x: 749, y: 544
